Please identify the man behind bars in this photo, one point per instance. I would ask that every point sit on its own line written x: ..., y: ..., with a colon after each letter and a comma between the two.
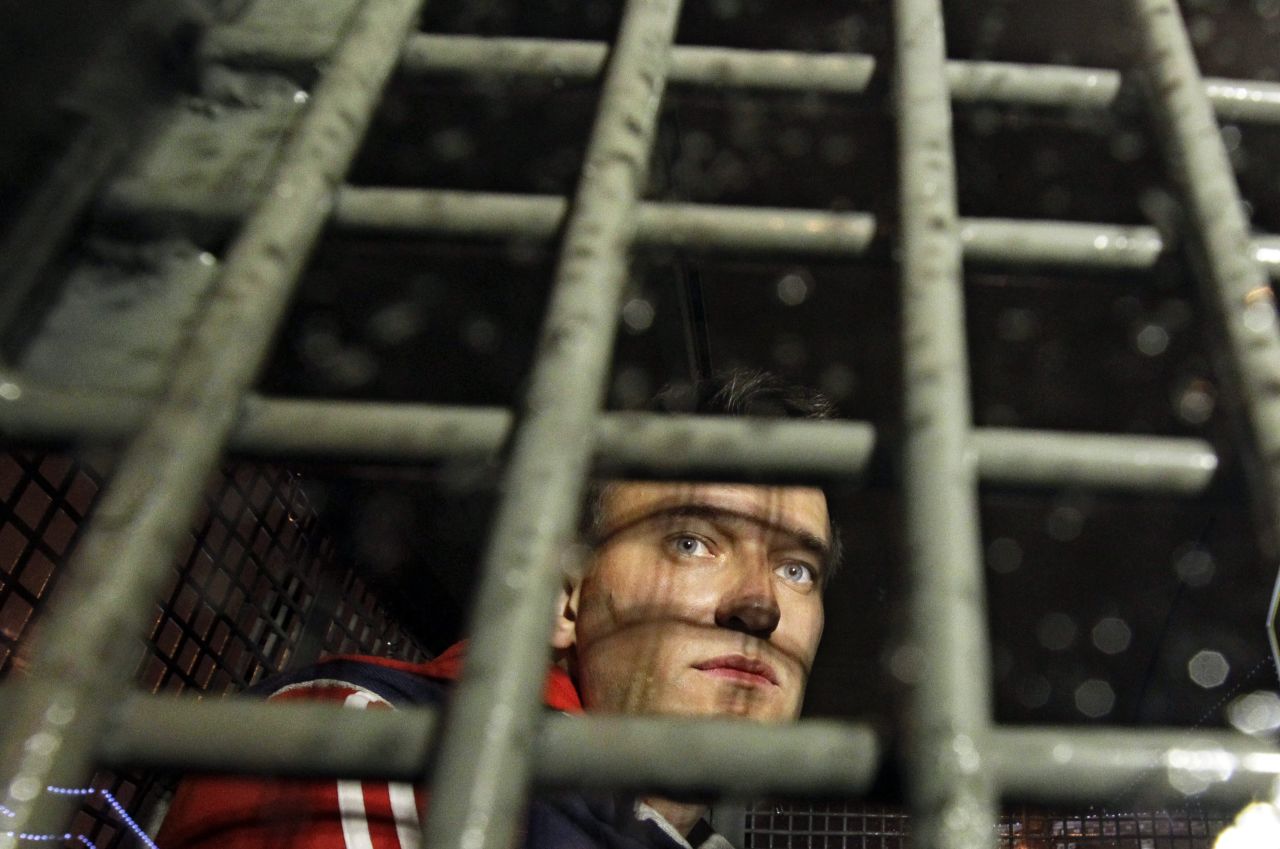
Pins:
x: 699, y: 599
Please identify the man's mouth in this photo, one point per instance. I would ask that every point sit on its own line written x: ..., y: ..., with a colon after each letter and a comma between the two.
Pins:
x: 735, y: 667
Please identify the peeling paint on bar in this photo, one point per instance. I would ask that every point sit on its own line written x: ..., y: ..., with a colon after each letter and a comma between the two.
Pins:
x: 485, y: 764
x: 950, y: 788
x: 86, y: 648
x: 1239, y: 300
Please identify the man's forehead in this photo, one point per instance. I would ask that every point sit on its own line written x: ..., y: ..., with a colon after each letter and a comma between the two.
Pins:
x: 796, y: 509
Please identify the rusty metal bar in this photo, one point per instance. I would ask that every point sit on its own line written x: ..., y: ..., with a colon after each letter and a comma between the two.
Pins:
x: 951, y: 792
x: 485, y: 763
x: 1236, y: 292
x: 85, y: 651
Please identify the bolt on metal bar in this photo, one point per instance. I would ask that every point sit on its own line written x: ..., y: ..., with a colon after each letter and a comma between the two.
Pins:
x: 1236, y: 291
x: 644, y: 443
x: 1078, y: 765
x: 485, y: 762
x: 949, y: 788
x: 250, y: 737
x: 85, y: 652
x: 1001, y: 83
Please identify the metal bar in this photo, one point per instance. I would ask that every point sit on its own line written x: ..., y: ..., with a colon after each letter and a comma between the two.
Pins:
x: 485, y: 761
x: 951, y: 793
x: 643, y: 443
x: 86, y: 649
x: 1236, y: 292
x: 250, y: 737
x: 1164, y: 765
x: 679, y: 225
x: 1001, y: 241
x: 1129, y: 463
x: 996, y: 241
x: 1003, y: 83
x: 813, y: 757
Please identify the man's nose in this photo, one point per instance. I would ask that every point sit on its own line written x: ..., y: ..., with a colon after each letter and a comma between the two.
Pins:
x: 750, y: 606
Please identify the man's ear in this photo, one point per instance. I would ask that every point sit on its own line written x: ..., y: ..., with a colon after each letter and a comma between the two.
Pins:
x: 565, y: 632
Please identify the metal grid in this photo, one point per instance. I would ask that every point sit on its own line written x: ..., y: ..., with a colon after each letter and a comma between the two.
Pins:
x: 858, y: 825
x: 958, y: 764
x: 244, y: 596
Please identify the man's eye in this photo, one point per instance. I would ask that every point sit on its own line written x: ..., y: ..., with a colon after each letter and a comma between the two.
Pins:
x: 690, y: 546
x: 796, y: 573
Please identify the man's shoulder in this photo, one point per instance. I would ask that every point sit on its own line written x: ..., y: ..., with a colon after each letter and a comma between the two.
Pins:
x: 358, y: 681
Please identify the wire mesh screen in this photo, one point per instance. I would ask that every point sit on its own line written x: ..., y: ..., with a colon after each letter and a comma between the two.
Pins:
x: 858, y: 825
x: 247, y: 599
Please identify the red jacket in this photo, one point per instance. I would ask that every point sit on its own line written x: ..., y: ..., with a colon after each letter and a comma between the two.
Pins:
x: 216, y: 812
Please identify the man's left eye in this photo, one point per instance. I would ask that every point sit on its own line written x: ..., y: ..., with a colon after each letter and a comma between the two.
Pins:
x: 796, y: 573
x: 690, y: 546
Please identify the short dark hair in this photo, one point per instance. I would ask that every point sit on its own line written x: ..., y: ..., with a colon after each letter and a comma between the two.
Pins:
x: 739, y: 392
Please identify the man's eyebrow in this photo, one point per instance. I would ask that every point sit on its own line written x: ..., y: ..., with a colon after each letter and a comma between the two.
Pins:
x: 811, y: 542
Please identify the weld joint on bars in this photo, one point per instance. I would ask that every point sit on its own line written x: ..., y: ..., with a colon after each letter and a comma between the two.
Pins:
x: 1005, y: 83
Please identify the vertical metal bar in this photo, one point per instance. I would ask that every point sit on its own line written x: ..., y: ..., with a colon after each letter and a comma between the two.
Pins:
x: 951, y: 793
x: 484, y: 764
x: 1234, y: 285
x: 88, y: 647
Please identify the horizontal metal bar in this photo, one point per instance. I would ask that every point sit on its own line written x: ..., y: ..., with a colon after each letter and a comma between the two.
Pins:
x: 1002, y: 83
x: 741, y: 229
x: 1046, y: 764
x: 1002, y: 241
x: 1170, y: 765
x: 751, y: 229
x: 732, y: 757
x: 641, y: 443
x: 1055, y: 458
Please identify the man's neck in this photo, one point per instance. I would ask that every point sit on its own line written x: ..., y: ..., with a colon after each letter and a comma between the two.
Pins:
x: 682, y: 815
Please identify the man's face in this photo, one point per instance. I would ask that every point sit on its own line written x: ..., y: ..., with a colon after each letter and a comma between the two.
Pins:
x: 701, y: 599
